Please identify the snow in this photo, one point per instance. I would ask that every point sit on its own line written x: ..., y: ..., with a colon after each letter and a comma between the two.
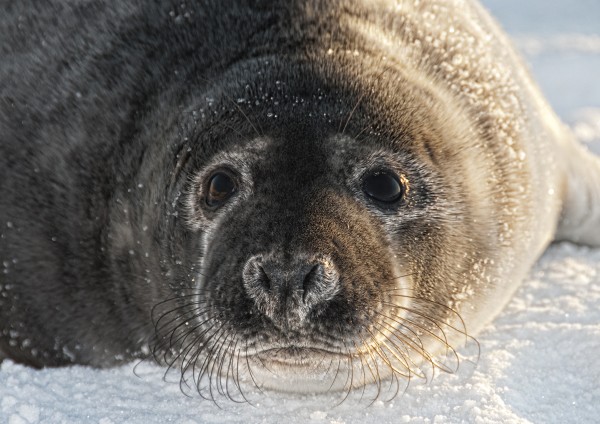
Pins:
x: 538, y: 359
x: 537, y: 364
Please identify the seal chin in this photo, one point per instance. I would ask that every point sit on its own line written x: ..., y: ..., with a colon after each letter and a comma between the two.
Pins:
x: 312, y: 371
x: 299, y: 370
x: 300, y: 356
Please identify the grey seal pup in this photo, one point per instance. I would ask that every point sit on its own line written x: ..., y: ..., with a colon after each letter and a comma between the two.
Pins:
x: 297, y: 195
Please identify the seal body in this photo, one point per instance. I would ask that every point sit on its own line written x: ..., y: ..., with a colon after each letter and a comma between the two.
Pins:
x: 325, y: 193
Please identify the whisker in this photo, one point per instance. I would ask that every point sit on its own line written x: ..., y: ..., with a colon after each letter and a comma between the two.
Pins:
x: 440, y: 305
x: 419, y: 326
x: 402, y: 355
x: 198, y: 376
x: 358, y: 102
x: 381, y: 353
x: 231, y: 368
x: 408, y: 342
x: 250, y: 369
x: 375, y: 374
x: 223, y: 356
x: 350, y: 374
x: 387, y: 360
x: 337, y: 372
x: 362, y: 366
x: 236, y: 380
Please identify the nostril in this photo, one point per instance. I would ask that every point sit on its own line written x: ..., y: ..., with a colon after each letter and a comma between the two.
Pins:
x: 320, y: 284
x: 311, y: 281
x: 255, y: 277
x: 263, y: 279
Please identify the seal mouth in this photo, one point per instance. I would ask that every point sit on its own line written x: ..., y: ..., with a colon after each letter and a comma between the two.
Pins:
x: 294, y: 355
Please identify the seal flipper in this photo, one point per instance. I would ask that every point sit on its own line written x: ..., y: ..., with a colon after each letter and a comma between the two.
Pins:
x: 580, y: 217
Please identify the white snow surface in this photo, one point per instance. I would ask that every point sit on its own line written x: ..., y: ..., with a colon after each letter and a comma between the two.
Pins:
x: 538, y: 361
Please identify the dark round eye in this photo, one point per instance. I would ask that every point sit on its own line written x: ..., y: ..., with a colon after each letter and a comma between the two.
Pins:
x: 220, y: 188
x: 383, y: 187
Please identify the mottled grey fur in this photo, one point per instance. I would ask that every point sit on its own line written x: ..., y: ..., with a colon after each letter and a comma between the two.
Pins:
x: 113, y: 113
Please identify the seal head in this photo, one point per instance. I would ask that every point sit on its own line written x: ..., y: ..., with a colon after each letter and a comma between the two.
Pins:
x: 324, y: 246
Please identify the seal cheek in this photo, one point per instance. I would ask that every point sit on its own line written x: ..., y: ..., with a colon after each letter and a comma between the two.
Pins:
x: 287, y: 291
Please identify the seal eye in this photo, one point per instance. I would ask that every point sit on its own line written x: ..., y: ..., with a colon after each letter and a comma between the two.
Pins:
x: 220, y: 188
x: 383, y: 187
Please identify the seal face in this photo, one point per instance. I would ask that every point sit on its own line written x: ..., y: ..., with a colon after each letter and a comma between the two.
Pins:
x: 322, y: 256
x: 333, y: 195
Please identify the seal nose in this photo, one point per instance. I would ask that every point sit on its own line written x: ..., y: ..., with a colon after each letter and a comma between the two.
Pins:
x: 286, y: 291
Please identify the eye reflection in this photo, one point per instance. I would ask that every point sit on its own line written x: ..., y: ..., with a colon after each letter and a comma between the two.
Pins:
x: 220, y: 188
x: 383, y: 186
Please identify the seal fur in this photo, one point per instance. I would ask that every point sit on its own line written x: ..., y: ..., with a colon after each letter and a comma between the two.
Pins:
x: 114, y: 116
